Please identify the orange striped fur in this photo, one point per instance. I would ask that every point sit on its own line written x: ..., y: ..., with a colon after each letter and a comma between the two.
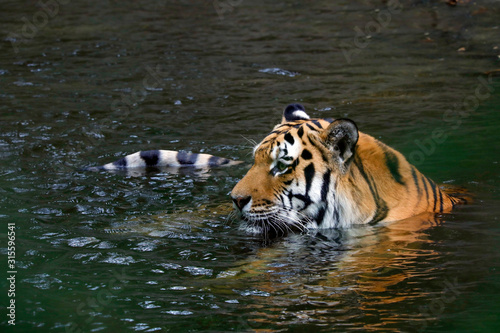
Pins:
x: 323, y: 173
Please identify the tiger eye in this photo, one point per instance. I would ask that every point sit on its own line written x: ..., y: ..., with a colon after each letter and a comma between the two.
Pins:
x: 282, y: 166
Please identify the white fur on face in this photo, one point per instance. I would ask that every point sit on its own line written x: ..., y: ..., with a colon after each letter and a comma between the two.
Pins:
x: 286, y: 153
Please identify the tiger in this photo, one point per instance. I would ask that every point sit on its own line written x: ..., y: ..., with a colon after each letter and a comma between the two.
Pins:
x: 312, y: 173
x: 323, y: 173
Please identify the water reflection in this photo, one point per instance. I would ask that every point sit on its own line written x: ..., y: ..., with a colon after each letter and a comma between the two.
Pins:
x: 335, y: 276
x: 104, y: 252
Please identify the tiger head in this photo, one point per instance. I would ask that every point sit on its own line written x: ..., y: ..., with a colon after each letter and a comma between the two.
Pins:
x: 292, y: 183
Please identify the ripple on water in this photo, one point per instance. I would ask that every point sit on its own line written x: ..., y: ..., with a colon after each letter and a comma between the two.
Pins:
x: 87, y: 257
x: 141, y: 327
x: 254, y: 293
x: 149, y: 305
x: 178, y: 288
x: 23, y: 83
x: 169, y: 265
x: 178, y: 312
x: 147, y: 246
x: 89, y: 210
x: 193, y: 270
x: 105, y: 245
x: 42, y: 281
x: 116, y: 258
x: 54, y: 238
x: 278, y: 71
x: 82, y: 241
x: 48, y: 211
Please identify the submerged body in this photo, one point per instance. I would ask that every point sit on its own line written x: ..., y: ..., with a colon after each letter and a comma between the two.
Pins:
x: 320, y: 173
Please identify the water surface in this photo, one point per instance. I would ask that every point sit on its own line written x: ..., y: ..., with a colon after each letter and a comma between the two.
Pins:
x: 157, y: 252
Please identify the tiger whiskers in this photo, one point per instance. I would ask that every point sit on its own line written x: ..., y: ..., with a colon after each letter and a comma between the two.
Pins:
x: 279, y: 221
x: 296, y: 218
x: 251, y: 141
x: 279, y: 224
x: 231, y: 217
x: 253, y: 144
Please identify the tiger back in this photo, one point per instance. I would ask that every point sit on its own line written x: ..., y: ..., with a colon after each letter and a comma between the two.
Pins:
x: 324, y: 173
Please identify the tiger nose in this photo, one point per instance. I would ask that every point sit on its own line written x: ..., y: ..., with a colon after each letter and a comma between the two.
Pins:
x: 241, y: 202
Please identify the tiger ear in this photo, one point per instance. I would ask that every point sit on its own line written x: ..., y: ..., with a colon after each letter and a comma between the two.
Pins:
x: 294, y: 112
x: 341, y: 137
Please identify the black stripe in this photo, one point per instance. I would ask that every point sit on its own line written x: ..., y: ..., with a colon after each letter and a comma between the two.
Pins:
x: 150, y: 157
x: 277, y: 132
x: 281, y: 126
x: 289, y: 138
x: 336, y: 214
x: 415, y: 179
x: 265, y: 142
x: 453, y: 202
x: 325, y: 158
x: 441, y: 201
x: 320, y: 216
x: 433, y: 187
x: 306, y: 154
x: 304, y: 198
x: 186, y: 158
x: 392, y: 163
x: 285, y: 151
x: 309, y: 175
x: 381, y: 206
x: 317, y: 123
x: 326, y: 186
x: 300, y: 132
x: 382, y: 210
x: 311, y: 127
x: 426, y: 191
x: 282, y: 198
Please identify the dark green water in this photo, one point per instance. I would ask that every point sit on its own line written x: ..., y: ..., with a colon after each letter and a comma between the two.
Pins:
x: 100, y: 252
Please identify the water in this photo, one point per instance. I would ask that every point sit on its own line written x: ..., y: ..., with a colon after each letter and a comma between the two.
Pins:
x: 156, y: 252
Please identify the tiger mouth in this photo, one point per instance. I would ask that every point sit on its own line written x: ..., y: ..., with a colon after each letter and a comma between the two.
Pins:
x: 272, y: 223
x: 258, y: 221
